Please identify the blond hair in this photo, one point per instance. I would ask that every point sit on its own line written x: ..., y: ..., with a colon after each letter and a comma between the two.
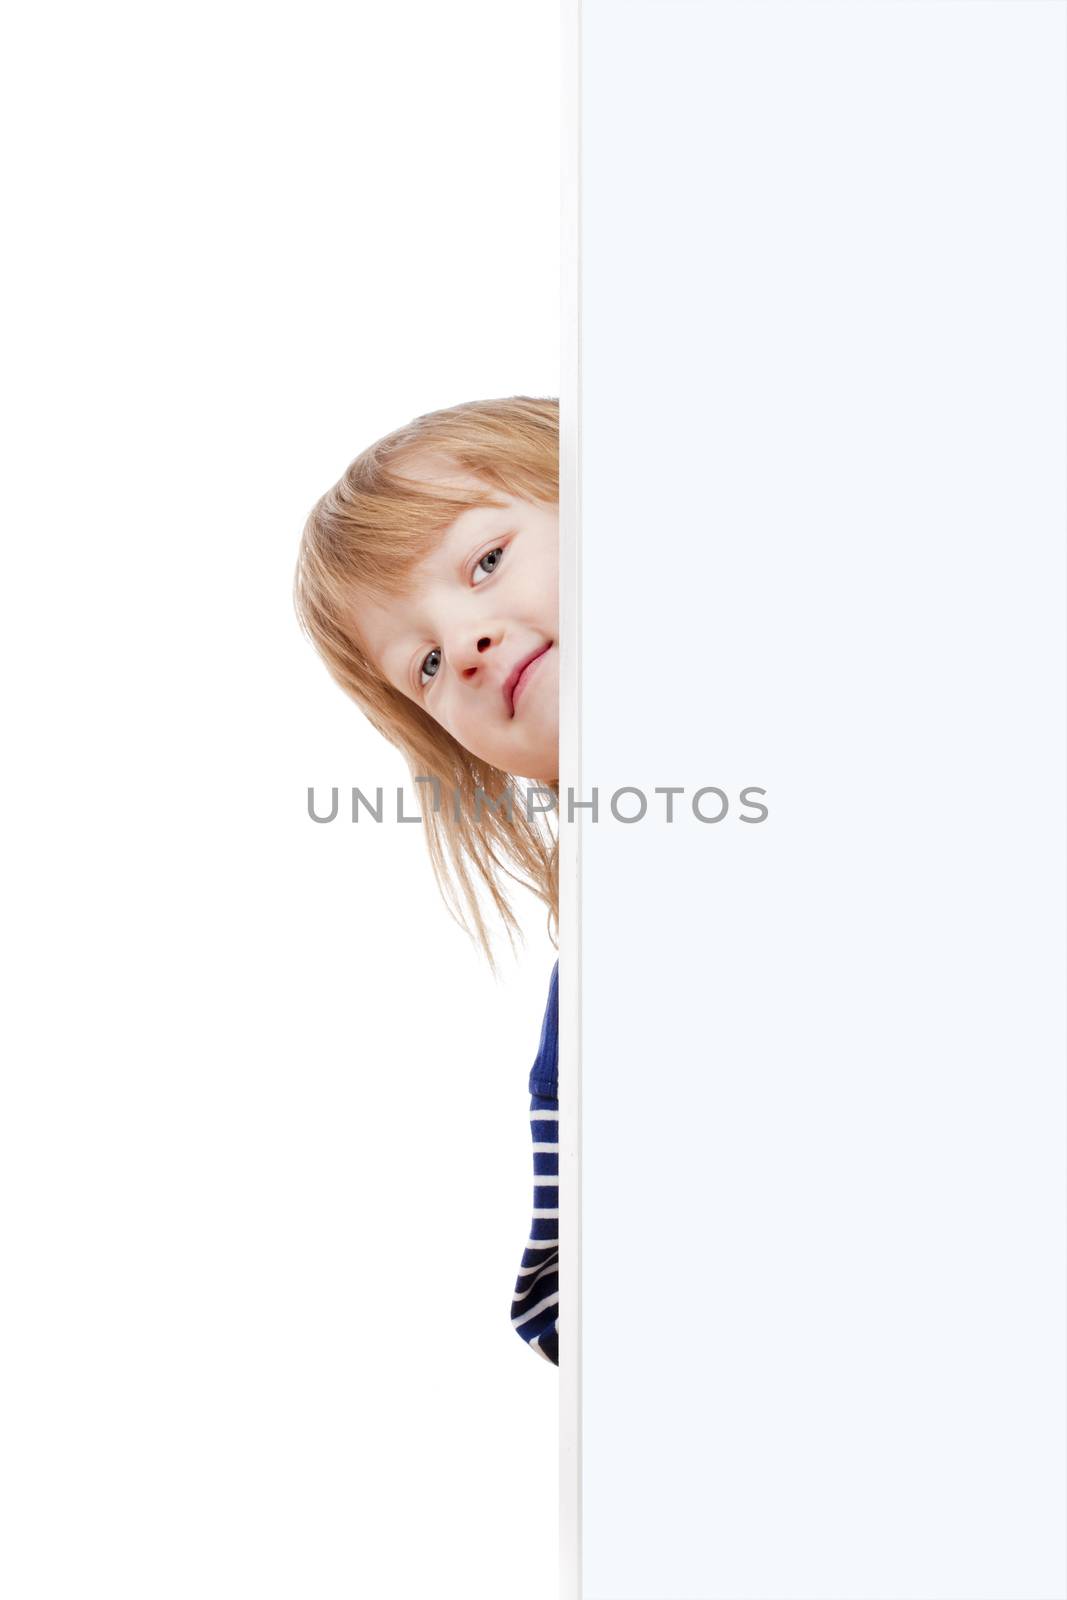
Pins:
x: 366, y: 534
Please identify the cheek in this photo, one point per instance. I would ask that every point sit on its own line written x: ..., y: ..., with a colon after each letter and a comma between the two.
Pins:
x: 550, y: 590
x: 453, y: 717
x: 466, y: 726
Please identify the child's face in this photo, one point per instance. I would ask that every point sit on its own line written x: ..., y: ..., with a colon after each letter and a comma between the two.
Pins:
x: 483, y: 603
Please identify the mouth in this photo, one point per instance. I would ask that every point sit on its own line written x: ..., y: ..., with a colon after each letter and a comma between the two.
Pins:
x: 517, y: 677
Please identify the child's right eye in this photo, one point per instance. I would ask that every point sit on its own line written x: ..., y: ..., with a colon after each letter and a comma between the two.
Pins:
x: 424, y: 668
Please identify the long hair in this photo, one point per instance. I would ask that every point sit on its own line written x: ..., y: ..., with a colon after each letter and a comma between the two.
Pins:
x: 366, y: 534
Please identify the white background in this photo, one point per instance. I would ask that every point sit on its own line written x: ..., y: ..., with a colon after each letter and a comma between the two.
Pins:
x: 824, y: 1200
x: 247, y: 1349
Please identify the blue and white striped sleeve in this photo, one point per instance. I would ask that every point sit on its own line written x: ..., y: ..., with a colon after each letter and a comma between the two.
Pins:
x: 535, y: 1300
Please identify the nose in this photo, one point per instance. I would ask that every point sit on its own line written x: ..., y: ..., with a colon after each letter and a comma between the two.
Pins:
x: 475, y: 647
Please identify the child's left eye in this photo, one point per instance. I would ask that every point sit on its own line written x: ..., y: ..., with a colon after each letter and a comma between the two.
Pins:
x: 490, y: 555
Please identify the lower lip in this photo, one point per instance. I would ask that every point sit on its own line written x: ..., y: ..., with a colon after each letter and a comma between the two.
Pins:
x: 521, y: 682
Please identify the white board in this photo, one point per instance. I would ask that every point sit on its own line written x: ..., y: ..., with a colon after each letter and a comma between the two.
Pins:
x: 815, y: 394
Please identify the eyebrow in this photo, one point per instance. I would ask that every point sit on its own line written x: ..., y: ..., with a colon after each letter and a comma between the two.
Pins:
x: 402, y: 681
x: 391, y: 649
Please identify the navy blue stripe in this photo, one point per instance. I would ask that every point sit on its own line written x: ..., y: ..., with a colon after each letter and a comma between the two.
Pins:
x: 541, y: 1329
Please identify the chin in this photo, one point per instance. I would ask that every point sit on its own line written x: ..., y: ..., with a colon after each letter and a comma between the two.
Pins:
x: 528, y: 771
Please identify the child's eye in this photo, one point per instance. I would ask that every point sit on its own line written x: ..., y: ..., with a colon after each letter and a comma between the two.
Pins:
x: 425, y: 667
x: 490, y: 555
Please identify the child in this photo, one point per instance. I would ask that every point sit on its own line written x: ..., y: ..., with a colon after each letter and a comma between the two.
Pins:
x: 428, y: 580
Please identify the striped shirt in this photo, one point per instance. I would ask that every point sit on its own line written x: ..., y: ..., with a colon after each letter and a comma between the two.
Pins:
x: 535, y: 1301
